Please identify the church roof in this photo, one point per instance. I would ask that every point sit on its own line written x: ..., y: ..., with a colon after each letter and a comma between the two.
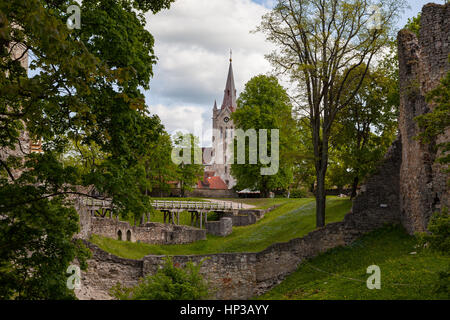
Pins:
x: 229, y: 98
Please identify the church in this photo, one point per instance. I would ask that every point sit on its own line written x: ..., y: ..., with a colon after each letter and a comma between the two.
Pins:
x: 216, y: 159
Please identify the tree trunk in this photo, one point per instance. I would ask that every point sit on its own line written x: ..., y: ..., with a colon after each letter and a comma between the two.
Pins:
x: 354, y: 187
x: 320, y: 200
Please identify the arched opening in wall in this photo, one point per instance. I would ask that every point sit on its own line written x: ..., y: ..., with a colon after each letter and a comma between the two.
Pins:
x: 119, y: 235
x: 128, y: 235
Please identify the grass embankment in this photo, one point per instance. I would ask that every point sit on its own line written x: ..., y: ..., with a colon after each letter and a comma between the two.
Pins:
x: 340, y: 273
x: 292, y: 219
x: 264, y: 203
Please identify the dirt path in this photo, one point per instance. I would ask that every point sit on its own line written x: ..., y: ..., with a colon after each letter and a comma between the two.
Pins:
x: 237, y: 205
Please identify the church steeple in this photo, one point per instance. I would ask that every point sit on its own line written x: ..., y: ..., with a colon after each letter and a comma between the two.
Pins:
x: 229, y: 98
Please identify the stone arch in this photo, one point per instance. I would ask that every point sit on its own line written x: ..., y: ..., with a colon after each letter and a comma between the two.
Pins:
x: 119, y: 235
x: 129, y: 235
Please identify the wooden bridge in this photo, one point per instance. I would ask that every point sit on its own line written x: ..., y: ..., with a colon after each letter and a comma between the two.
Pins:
x: 194, y: 205
x: 170, y: 208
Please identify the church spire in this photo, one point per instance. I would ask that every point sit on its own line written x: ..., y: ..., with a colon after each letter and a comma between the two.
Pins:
x: 229, y: 98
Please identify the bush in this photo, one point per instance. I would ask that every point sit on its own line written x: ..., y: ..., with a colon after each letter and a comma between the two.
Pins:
x: 169, y: 283
x: 213, y: 216
x: 442, y: 286
x: 438, y: 238
x: 298, y: 193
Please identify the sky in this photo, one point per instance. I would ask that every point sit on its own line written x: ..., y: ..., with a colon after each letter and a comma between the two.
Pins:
x: 193, y: 41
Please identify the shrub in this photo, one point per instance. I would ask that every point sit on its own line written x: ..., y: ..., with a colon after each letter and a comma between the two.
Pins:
x: 169, y: 283
x: 438, y: 238
x: 299, y: 193
x: 213, y: 216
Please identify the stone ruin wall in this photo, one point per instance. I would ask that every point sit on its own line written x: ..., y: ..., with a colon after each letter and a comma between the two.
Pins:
x: 221, y: 228
x: 152, y: 233
x: 244, y: 275
x: 406, y: 189
x: 423, y: 62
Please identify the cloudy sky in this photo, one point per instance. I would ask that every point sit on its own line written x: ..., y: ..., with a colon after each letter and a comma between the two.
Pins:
x: 193, y: 40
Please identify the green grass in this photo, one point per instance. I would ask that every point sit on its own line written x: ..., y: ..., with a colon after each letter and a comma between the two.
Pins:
x: 343, y: 275
x: 292, y: 219
x: 157, y: 216
x: 259, y: 203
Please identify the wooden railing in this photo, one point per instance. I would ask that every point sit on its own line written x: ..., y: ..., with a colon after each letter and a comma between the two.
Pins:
x: 193, y: 205
x: 171, y: 204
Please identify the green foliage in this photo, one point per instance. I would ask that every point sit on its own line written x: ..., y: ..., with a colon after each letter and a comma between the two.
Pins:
x: 437, y: 121
x: 264, y: 104
x: 438, y: 237
x: 171, y: 282
x: 340, y: 273
x: 299, y: 193
x: 294, y: 218
x: 190, y: 168
x: 84, y: 102
x: 213, y: 216
x: 442, y: 286
x: 319, y: 44
x: 413, y: 25
x: 160, y: 169
x: 364, y: 130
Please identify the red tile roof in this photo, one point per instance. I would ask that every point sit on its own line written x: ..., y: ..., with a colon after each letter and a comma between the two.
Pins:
x: 212, y: 183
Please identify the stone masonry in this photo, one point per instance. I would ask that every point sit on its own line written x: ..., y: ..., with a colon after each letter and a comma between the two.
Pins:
x: 222, y: 228
x: 407, y: 187
x: 153, y: 233
x: 423, y: 62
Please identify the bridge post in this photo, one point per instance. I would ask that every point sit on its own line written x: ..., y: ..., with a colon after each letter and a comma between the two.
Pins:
x: 172, y: 215
x: 201, y: 218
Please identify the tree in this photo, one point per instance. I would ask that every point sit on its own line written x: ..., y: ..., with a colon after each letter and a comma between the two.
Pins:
x: 86, y: 89
x: 264, y: 104
x: 320, y: 43
x: 304, y: 173
x: 159, y: 167
x: 364, y: 130
x: 190, y: 167
x: 413, y: 25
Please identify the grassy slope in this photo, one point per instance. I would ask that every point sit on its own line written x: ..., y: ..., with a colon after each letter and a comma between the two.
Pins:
x: 294, y: 218
x: 403, y: 275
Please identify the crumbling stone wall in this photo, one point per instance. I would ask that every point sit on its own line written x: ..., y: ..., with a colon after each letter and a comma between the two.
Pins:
x: 230, y: 275
x: 423, y: 62
x: 407, y: 187
x: 153, y: 233
x: 222, y: 228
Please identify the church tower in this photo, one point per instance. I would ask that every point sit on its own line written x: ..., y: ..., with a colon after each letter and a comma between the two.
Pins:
x: 223, y: 128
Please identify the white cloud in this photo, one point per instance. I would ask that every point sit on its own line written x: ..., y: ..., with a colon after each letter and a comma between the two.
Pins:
x: 192, y: 42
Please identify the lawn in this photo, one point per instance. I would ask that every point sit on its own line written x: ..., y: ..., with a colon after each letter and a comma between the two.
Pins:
x: 407, y: 272
x: 263, y: 203
x: 292, y: 219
